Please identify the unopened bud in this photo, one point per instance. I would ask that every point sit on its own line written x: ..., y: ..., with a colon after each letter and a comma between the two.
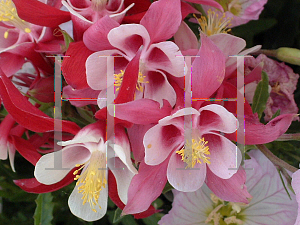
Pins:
x: 289, y: 55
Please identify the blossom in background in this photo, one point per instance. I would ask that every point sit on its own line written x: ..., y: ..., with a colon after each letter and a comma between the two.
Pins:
x: 282, y: 81
x: 239, y: 11
x: 270, y: 204
x: 91, y: 155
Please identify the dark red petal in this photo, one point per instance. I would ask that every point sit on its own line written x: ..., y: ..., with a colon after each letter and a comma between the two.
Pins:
x: 31, y: 185
x: 36, y: 12
x: 25, y: 113
x: 73, y: 67
x: 26, y: 149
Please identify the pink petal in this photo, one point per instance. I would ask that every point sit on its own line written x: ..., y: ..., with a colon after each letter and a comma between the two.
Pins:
x: 216, y: 118
x: 95, y: 37
x: 296, y: 188
x: 165, y: 56
x: 185, y: 179
x: 224, y: 156
x: 208, y: 2
x: 141, y: 111
x: 159, y: 141
x: 186, y: 9
x: 208, y: 69
x: 232, y: 189
x: 159, y: 88
x: 44, y: 15
x: 25, y: 113
x: 145, y: 187
x: 11, y: 63
x: 185, y: 38
x: 45, y: 171
x: 133, y: 36
x: 136, y: 134
x: 162, y: 24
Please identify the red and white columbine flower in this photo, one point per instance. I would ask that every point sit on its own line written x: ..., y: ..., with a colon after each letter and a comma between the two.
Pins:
x: 90, y: 154
x: 206, y: 147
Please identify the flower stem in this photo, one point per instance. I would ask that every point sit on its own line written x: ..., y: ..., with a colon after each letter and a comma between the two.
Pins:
x: 274, y: 159
x: 267, y: 52
x: 289, y: 137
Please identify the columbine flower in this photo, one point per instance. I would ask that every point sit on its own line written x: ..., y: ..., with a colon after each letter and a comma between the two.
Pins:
x: 240, y: 11
x: 270, y: 204
x: 87, y: 152
x: 206, y: 147
x: 158, y: 58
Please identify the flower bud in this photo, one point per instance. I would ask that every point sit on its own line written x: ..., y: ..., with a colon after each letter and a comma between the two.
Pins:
x: 289, y: 55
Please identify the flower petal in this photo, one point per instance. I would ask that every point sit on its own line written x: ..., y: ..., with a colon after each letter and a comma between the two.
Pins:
x: 48, y: 172
x: 185, y: 38
x: 225, y: 157
x: 185, y: 179
x: 159, y: 141
x: 44, y: 15
x: 84, y: 211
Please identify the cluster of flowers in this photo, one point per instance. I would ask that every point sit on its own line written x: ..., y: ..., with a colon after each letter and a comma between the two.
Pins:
x: 143, y: 84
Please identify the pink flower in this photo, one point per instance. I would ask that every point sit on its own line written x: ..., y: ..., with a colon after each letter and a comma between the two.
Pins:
x: 87, y: 152
x: 283, y: 82
x: 208, y: 148
x: 270, y: 203
x: 158, y: 58
x: 240, y: 11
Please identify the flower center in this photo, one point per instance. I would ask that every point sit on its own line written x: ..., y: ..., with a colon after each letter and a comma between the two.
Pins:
x: 225, y: 212
x: 214, y: 24
x: 119, y: 78
x: 99, y: 5
x: 92, y: 179
x: 233, y: 6
x: 198, y: 151
x: 8, y: 13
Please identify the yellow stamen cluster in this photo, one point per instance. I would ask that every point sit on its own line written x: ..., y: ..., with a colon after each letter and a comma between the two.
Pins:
x: 214, y: 24
x: 194, y: 152
x: 225, y: 212
x: 119, y: 78
x: 93, y: 178
x: 8, y: 13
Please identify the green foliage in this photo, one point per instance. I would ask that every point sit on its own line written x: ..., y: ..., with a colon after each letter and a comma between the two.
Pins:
x: 43, y: 214
x: 261, y: 95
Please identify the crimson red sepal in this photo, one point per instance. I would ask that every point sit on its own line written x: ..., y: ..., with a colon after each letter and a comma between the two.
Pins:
x: 73, y: 67
x: 113, y: 194
x: 130, y: 78
x: 36, y: 12
x: 25, y: 113
x: 31, y: 185
x: 26, y: 149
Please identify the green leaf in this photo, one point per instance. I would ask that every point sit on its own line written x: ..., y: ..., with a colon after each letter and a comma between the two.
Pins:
x: 43, y: 214
x: 117, y: 216
x: 67, y: 39
x: 276, y: 114
x: 261, y: 95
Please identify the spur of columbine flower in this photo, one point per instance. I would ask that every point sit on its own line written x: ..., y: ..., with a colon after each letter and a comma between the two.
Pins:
x: 190, y: 155
x: 270, y: 203
x: 91, y: 155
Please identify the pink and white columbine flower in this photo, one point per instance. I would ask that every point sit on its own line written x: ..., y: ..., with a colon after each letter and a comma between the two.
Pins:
x: 270, y: 203
x: 207, y: 146
x: 158, y: 58
x: 89, y: 152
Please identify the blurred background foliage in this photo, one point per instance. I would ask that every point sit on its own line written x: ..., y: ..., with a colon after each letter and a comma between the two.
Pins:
x: 278, y: 26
